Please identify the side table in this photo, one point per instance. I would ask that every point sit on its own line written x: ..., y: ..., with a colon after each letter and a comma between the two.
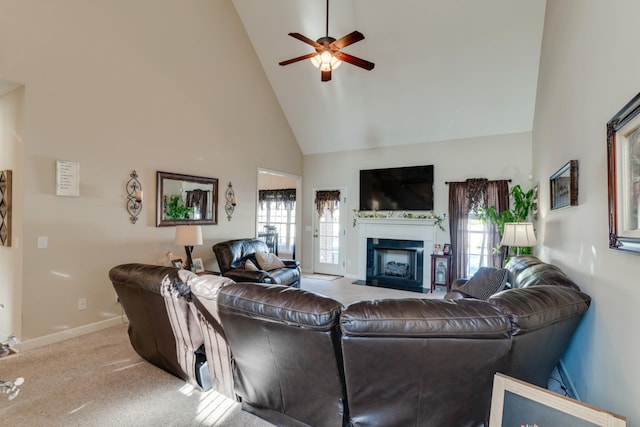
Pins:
x: 440, y: 271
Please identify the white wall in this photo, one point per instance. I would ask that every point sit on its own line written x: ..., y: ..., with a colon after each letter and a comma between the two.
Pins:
x: 589, y: 70
x: 116, y: 86
x: 492, y: 157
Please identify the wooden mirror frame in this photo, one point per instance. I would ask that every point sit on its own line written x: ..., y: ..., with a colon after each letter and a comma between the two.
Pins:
x: 207, y: 184
x: 621, y: 180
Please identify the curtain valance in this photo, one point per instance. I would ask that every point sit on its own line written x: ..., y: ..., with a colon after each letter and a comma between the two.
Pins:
x: 284, y: 197
x: 327, y: 199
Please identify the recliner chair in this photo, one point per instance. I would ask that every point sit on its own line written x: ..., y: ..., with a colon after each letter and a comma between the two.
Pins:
x: 233, y: 254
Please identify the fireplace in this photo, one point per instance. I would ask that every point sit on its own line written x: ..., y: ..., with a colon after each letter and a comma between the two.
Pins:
x: 395, y: 263
x: 420, y: 232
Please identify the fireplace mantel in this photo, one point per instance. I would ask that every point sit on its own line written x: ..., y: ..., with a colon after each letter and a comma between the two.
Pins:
x: 396, y: 228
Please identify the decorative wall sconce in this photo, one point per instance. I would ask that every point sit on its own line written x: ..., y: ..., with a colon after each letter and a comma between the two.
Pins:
x: 231, y: 203
x: 134, y: 197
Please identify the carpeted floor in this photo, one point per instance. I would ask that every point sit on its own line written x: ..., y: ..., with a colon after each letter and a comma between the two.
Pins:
x: 99, y: 380
x: 319, y: 276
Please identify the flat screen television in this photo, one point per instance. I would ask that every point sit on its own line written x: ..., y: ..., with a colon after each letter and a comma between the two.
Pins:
x: 394, y: 189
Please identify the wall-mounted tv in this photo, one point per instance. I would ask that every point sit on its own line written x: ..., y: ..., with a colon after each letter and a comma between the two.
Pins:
x: 403, y: 188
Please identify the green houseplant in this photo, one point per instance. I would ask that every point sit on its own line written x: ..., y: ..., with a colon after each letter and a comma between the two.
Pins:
x: 523, y: 204
x: 176, y: 210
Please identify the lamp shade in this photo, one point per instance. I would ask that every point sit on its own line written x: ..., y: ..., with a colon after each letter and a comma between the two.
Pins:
x: 519, y: 234
x: 188, y: 235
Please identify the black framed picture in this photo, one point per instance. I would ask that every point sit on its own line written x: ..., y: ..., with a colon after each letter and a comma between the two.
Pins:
x: 447, y: 249
x: 564, y: 186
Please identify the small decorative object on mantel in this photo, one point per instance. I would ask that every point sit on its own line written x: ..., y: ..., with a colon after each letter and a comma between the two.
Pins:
x: 5, y: 208
x: 134, y: 197
x: 231, y: 201
x: 395, y: 214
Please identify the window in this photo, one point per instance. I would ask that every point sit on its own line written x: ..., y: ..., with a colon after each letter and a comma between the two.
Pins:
x: 283, y: 216
x: 478, y: 248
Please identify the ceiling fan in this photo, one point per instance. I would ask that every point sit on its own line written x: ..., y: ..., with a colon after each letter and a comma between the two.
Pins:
x: 328, y: 56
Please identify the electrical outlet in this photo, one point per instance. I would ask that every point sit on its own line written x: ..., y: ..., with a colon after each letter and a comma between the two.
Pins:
x: 82, y: 304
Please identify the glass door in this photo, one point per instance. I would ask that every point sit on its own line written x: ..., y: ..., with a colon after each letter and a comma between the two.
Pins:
x: 329, y: 236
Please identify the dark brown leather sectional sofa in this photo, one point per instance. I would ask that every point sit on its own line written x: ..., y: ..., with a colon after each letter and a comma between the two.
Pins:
x: 302, y: 359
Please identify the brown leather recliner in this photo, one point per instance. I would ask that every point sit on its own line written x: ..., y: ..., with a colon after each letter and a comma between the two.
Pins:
x: 232, y: 255
x: 286, y: 346
x: 168, y: 330
x: 422, y: 362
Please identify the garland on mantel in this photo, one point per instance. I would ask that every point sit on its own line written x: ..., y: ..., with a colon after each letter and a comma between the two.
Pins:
x: 395, y: 214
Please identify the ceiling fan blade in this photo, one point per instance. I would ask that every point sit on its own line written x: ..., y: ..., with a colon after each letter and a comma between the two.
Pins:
x: 353, y: 60
x: 326, y: 76
x: 350, y: 38
x: 299, y: 58
x: 306, y: 40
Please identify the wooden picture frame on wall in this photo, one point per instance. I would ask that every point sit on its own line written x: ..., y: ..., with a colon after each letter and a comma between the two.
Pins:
x: 5, y: 207
x: 517, y: 403
x: 623, y: 166
x: 564, y: 186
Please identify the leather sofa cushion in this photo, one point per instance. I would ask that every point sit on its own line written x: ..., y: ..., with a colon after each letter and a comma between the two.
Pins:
x: 486, y: 282
x: 469, y: 318
x: 536, y: 307
x: 544, y: 274
x: 284, y: 276
x: 281, y: 304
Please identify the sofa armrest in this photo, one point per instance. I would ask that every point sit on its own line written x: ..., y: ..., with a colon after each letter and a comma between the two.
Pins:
x: 254, y: 276
x: 291, y: 263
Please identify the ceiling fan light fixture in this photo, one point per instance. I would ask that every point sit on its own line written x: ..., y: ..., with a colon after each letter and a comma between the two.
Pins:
x: 325, y: 61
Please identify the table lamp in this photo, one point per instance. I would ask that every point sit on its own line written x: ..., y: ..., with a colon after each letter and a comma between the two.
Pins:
x: 188, y: 236
x: 518, y: 234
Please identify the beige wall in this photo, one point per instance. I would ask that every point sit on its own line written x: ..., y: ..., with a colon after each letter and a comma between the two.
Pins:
x: 116, y: 86
x: 453, y: 161
x: 589, y: 70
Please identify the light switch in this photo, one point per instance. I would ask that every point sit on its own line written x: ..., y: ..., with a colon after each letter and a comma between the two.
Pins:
x: 43, y: 242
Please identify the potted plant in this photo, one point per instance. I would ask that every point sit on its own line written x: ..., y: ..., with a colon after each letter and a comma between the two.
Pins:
x: 176, y: 210
x: 524, y: 203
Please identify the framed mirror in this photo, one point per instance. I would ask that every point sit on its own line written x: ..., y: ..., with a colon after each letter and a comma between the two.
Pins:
x: 623, y: 164
x: 185, y: 199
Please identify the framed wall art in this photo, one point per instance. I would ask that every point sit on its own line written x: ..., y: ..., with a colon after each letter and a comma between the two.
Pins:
x: 564, y: 186
x: 5, y: 208
x: 623, y: 166
x: 517, y: 403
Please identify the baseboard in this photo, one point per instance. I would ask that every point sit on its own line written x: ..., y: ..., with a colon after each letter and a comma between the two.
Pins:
x: 70, y: 333
x: 566, y: 380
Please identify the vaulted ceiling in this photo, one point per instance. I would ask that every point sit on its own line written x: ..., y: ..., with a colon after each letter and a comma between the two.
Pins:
x: 444, y: 69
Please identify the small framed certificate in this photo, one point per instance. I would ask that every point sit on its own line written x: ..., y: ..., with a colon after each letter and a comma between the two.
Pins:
x: 67, y: 178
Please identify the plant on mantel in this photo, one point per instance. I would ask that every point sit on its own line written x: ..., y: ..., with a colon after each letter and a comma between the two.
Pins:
x: 395, y: 214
